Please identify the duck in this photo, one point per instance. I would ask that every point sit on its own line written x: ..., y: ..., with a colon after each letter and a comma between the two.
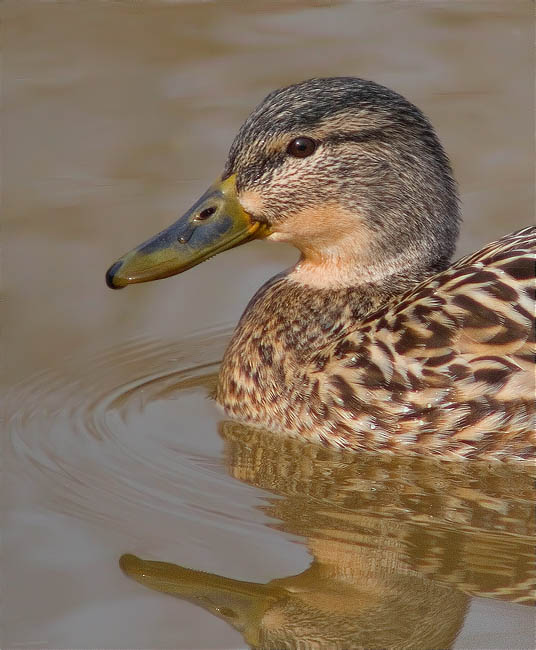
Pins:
x: 373, y: 340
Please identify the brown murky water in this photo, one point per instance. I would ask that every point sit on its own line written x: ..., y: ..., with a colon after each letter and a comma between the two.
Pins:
x: 116, y: 116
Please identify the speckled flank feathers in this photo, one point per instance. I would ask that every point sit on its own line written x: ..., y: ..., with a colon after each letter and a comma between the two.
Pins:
x: 372, y: 341
x: 446, y: 368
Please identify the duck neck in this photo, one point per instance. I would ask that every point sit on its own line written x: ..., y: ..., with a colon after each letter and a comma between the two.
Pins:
x: 380, y: 265
x: 284, y: 325
x: 302, y: 312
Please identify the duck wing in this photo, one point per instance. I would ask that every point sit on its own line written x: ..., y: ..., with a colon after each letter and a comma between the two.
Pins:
x: 447, y: 369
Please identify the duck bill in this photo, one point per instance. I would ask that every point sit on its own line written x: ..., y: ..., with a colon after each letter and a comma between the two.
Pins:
x: 215, y: 223
x: 238, y: 602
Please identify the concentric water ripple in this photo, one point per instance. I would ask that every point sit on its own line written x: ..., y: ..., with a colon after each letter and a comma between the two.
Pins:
x: 129, y: 434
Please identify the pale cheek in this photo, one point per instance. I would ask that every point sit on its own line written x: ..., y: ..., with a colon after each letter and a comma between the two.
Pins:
x: 316, y: 227
x: 280, y: 237
x: 251, y: 202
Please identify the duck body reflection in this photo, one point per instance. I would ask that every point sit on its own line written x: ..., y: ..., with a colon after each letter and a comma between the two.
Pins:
x: 399, y: 545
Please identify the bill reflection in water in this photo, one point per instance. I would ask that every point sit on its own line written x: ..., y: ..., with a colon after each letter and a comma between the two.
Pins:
x: 399, y: 546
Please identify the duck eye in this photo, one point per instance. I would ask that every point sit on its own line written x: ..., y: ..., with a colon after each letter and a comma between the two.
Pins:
x: 301, y: 147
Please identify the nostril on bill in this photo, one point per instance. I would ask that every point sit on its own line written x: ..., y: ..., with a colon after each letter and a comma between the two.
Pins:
x: 206, y: 213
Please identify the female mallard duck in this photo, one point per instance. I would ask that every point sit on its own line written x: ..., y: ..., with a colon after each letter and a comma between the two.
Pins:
x: 371, y: 341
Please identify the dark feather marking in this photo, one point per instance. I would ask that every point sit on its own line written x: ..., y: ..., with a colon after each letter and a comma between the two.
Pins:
x: 511, y: 332
x: 436, y: 379
x: 476, y: 412
x: 373, y: 377
x: 499, y: 360
x: 522, y: 268
x: 345, y: 392
x: 426, y: 292
x: 346, y: 346
x: 477, y: 315
x: 351, y: 402
x: 523, y: 312
x: 408, y: 341
x: 415, y: 382
x: 266, y: 352
x: 531, y: 292
x: 475, y: 276
x: 502, y: 291
x: 492, y: 375
x: 422, y: 312
x: 359, y: 361
x: 366, y: 135
x: 442, y: 359
x: 458, y: 371
x: 441, y: 335
x: 386, y: 349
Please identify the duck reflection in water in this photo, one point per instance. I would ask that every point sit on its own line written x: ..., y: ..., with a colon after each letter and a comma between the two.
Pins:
x: 398, y: 545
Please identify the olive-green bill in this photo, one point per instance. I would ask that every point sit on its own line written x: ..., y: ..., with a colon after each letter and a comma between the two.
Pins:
x: 215, y: 223
x: 240, y: 603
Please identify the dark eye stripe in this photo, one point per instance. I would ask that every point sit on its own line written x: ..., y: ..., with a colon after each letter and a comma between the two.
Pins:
x: 366, y: 135
x: 264, y: 164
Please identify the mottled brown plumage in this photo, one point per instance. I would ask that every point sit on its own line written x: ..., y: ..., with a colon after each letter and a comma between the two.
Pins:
x: 371, y: 341
x: 398, y: 357
x: 446, y: 368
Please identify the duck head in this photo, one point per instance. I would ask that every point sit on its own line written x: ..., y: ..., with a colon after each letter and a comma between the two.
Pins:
x: 346, y: 170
